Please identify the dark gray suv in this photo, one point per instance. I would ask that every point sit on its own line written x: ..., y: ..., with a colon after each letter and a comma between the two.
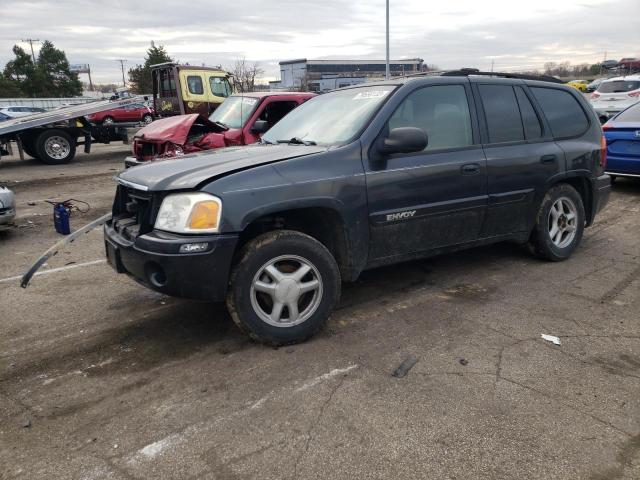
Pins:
x: 358, y: 178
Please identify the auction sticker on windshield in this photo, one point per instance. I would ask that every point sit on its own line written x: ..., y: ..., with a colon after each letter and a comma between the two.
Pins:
x: 370, y: 94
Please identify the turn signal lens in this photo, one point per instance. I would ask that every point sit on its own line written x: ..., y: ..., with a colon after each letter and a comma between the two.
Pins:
x: 603, y: 152
x: 204, y: 216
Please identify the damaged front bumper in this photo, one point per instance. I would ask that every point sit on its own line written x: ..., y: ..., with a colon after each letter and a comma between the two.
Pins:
x: 160, y: 261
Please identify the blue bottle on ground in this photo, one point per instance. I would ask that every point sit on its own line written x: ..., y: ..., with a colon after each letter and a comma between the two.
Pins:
x: 61, y: 219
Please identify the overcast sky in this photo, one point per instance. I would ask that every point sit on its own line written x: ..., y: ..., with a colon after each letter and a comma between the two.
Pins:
x: 516, y: 34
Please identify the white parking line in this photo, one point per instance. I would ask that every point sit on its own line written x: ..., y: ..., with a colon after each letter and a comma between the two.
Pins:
x: 55, y: 270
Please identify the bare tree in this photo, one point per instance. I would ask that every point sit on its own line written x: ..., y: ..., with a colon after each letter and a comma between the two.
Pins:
x: 245, y: 75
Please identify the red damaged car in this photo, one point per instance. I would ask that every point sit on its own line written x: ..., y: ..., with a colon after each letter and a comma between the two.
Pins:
x: 240, y: 120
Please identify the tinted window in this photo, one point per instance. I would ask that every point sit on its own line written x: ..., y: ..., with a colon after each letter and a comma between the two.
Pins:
x: 195, y: 85
x: 274, y: 111
x: 631, y: 114
x: 441, y: 111
x: 502, y: 113
x: 530, y: 120
x: 618, y: 86
x: 565, y: 115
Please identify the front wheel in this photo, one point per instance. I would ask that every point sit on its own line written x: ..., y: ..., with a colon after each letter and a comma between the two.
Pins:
x: 283, y: 288
x: 559, y: 224
x: 147, y: 119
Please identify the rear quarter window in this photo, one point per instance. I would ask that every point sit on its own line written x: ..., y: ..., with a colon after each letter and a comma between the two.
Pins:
x: 563, y: 112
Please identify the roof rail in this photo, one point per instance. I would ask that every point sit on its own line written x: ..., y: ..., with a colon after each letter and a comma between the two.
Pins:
x: 465, y: 72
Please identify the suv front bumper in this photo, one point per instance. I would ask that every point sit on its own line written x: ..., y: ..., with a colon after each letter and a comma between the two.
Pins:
x: 155, y: 261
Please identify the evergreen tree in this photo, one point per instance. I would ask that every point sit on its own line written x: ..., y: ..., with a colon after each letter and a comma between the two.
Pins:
x: 53, y: 78
x: 48, y: 77
x: 140, y: 75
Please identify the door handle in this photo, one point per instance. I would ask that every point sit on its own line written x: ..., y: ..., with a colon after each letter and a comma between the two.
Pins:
x: 470, y: 169
x: 547, y: 159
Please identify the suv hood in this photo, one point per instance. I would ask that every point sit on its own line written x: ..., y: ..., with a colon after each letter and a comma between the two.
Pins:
x: 190, y: 171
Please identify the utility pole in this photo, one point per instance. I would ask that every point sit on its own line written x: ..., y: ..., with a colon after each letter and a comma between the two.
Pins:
x: 30, y: 42
x: 386, y: 74
x: 121, y: 60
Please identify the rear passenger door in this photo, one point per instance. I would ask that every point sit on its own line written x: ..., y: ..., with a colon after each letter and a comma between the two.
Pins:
x: 521, y: 156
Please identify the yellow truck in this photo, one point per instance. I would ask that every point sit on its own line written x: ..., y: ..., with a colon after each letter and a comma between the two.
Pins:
x: 181, y: 89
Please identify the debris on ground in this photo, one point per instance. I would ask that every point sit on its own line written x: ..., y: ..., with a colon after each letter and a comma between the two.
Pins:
x: 26, y: 423
x: 404, y: 367
x: 463, y: 361
x: 550, y: 338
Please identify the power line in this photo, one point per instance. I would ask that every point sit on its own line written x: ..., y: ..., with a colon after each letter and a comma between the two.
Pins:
x: 30, y: 42
x: 122, y: 61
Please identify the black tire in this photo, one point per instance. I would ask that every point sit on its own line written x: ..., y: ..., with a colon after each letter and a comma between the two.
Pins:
x: 29, y: 147
x: 541, y: 243
x: 613, y: 178
x: 259, y: 252
x: 51, y: 155
x: 147, y: 118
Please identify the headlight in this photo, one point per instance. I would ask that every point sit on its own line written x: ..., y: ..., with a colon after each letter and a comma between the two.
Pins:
x: 196, y: 212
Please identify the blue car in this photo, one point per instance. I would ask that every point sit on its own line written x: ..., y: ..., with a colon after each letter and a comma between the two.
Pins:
x: 623, y: 143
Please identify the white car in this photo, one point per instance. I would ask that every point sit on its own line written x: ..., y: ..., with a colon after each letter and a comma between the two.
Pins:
x: 615, y: 94
x: 7, y: 208
x: 15, y: 111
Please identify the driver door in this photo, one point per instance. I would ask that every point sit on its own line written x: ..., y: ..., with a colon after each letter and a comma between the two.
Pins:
x: 436, y: 197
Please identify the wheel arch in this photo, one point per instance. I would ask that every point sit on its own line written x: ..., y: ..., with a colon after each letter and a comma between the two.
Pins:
x: 321, y: 220
x: 584, y: 186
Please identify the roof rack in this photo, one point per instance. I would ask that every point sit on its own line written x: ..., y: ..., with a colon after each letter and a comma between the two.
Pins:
x: 465, y: 72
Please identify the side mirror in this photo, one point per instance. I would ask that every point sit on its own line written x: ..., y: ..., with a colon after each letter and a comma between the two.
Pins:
x: 259, y: 126
x: 404, y: 140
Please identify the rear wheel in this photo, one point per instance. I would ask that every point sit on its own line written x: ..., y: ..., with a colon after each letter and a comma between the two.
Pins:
x: 55, y: 147
x: 559, y: 224
x: 284, y: 287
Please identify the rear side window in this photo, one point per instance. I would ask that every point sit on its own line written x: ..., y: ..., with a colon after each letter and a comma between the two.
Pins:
x: 530, y: 120
x: 502, y: 113
x: 619, y: 86
x: 565, y: 115
x: 441, y: 111
x: 194, y: 84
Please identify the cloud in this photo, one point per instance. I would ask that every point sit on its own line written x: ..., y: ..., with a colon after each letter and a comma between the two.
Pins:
x: 465, y: 33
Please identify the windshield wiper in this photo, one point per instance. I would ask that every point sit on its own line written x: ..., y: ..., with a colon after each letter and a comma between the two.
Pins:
x: 298, y: 141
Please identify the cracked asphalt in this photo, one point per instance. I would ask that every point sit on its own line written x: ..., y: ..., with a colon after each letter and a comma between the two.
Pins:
x: 103, y: 379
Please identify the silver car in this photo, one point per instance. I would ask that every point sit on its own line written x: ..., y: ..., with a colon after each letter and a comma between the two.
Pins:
x: 7, y: 208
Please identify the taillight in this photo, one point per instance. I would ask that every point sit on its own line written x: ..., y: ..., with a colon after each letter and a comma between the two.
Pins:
x: 603, y: 152
x: 635, y: 93
x: 594, y: 96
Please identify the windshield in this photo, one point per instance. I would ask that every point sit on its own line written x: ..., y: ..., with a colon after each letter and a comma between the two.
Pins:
x: 234, y: 111
x: 330, y: 119
x: 619, y: 86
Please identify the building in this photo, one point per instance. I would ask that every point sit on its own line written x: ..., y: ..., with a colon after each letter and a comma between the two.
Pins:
x: 324, y: 75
